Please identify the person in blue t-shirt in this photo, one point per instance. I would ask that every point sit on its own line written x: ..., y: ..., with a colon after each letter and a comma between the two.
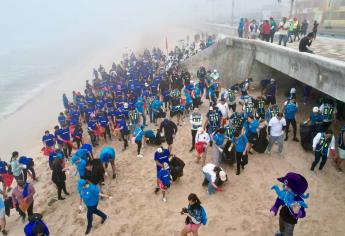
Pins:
x: 63, y: 136
x: 91, y: 128
x: 36, y: 226
x: 250, y: 128
x: 315, y: 120
x: 157, y: 112
x: 90, y: 194
x: 27, y: 167
x: 161, y: 156
x: 107, y: 156
x: 240, y: 142
x: 138, y: 135
x: 62, y: 119
x: 139, y: 107
x: 78, y: 135
x: 218, y: 138
x: 48, y: 139
x: 105, y: 123
x: 290, y: 110
x: 123, y: 128
x: 163, y: 176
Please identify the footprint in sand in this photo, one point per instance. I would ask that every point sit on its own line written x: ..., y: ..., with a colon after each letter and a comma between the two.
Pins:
x: 245, y: 225
x: 229, y: 229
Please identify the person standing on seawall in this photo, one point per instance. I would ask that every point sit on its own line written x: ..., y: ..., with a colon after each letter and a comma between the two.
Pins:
x: 273, y: 25
x: 316, y: 25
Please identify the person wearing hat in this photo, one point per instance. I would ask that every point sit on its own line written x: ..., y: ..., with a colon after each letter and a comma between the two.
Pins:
x: 290, y: 213
x: 276, y: 128
x: 164, y: 179
x: 323, y: 143
x: 196, y: 122
x: 23, y: 198
x: 202, y: 141
x: 161, y: 156
x: 315, y: 120
x: 305, y: 43
x: 107, y: 155
x: 90, y: 194
x: 214, y: 177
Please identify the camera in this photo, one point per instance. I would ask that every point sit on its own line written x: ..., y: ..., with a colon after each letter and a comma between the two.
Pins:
x: 184, y: 210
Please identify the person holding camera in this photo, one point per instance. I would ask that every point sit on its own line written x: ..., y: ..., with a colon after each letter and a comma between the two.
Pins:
x: 196, y: 215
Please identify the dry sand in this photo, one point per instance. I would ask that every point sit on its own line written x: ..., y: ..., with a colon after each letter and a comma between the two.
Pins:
x: 241, y: 209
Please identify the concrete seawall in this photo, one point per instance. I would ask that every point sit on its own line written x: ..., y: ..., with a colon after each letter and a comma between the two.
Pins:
x: 237, y: 59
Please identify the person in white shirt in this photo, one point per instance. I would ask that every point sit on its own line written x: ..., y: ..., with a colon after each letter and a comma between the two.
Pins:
x: 202, y: 140
x: 276, y: 127
x: 322, y: 144
x: 224, y: 109
x: 214, y: 177
x: 196, y: 122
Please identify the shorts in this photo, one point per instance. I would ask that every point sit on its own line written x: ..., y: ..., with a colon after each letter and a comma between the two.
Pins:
x: 252, y: 138
x: 193, y: 227
x: 162, y: 186
x: 169, y: 140
x: 341, y: 153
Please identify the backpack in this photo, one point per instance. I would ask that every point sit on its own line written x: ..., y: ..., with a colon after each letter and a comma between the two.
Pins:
x: 203, y: 216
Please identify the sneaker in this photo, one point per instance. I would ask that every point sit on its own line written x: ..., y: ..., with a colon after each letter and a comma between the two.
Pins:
x: 156, y: 190
x: 295, y: 139
x: 104, y: 219
x: 66, y: 193
x: 4, y: 232
x: 61, y: 198
x: 114, y: 176
x: 164, y: 199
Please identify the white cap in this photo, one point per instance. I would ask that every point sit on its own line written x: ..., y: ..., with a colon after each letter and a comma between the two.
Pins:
x: 160, y: 149
x: 215, y: 71
x: 125, y: 105
x: 222, y: 175
x: 200, y: 130
x: 211, y: 108
x: 272, y: 80
x: 293, y: 90
x: 315, y: 109
x: 146, y: 84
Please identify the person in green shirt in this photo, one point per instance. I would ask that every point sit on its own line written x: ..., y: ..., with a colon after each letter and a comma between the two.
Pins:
x: 291, y: 31
x: 273, y: 25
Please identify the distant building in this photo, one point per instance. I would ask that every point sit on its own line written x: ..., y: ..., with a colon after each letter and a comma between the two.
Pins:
x: 330, y: 13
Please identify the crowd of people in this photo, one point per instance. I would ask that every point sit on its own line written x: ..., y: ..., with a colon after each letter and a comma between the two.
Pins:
x: 154, y: 90
x: 286, y: 30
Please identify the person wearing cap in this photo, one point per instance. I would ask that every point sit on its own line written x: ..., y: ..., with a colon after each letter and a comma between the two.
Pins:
x: 214, y: 177
x: 23, y: 198
x: 90, y: 194
x: 59, y: 176
x: 276, y: 128
x: 315, y: 120
x: 288, y: 215
x: 283, y: 29
x: 196, y: 122
x: 305, y: 43
x: 107, y: 155
x: 161, y: 156
x: 323, y: 143
x: 290, y: 110
x: 224, y: 109
x: 163, y: 176
x: 202, y: 141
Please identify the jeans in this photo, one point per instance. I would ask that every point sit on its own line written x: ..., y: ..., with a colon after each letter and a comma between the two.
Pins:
x: 93, y: 210
x: 294, y: 126
x: 283, y: 38
x: 290, y: 36
x: 210, y: 188
x: 319, y: 156
x: 285, y: 228
x: 272, y: 36
x: 273, y: 139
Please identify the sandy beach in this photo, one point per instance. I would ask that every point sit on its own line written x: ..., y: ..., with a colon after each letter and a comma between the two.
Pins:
x: 241, y: 209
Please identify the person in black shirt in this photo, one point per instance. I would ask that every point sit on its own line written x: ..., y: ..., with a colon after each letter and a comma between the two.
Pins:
x: 170, y: 130
x: 306, y: 42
